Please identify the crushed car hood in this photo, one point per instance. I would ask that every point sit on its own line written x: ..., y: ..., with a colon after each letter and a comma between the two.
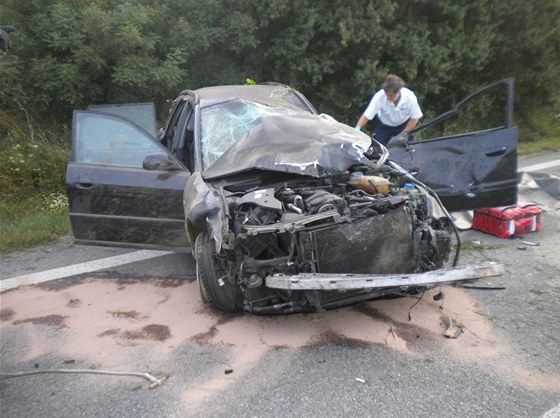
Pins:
x: 305, y: 144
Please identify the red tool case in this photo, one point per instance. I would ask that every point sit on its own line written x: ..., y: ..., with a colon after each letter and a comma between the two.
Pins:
x: 506, y: 221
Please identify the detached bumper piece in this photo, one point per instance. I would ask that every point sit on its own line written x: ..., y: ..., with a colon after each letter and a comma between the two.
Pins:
x: 344, y: 282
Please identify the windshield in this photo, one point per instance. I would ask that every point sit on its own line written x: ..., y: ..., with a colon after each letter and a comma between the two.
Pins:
x: 225, y: 124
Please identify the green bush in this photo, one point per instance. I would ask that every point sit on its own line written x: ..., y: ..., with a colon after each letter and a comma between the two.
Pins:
x: 33, y: 202
x: 31, y: 168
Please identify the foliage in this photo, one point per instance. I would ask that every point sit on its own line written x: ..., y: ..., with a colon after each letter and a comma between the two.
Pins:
x: 33, y: 203
x: 31, y: 164
x: 527, y: 46
x: 71, y: 53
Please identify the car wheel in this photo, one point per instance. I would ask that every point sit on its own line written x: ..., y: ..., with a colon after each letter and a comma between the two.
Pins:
x: 201, y: 288
x: 215, y: 284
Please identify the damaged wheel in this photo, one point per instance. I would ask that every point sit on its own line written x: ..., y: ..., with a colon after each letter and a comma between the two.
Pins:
x: 215, y: 283
x: 201, y: 288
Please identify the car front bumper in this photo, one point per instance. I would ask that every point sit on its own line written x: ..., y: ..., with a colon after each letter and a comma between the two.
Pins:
x: 343, y: 282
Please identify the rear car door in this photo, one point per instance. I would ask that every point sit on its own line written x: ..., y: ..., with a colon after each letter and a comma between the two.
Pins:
x: 113, y: 200
x: 472, y: 169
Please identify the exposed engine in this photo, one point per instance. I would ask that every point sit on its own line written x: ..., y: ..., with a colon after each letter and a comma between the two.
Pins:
x: 311, y: 225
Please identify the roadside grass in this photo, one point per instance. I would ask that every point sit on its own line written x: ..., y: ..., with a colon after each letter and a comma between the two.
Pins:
x: 31, y: 227
x: 469, y: 246
x: 33, y: 203
x: 540, y: 131
x: 551, y: 143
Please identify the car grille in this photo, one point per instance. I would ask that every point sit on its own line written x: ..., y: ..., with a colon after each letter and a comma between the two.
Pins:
x: 380, y: 244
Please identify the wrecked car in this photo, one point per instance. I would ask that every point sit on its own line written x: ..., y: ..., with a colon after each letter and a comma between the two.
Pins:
x: 284, y: 209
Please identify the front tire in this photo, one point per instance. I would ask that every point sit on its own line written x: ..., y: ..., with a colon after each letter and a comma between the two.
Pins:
x: 215, y: 282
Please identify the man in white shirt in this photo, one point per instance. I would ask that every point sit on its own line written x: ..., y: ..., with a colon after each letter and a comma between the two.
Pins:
x: 395, y: 107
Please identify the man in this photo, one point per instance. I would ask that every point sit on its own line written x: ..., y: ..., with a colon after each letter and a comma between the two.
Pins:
x: 395, y: 107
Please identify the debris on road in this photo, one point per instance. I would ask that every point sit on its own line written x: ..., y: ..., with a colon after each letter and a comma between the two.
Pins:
x: 439, y: 296
x: 454, y: 329
x: 155, y: 382
x: 482, y: 287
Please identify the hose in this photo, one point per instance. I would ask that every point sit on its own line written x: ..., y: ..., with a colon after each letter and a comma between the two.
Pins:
x: 155, y: 382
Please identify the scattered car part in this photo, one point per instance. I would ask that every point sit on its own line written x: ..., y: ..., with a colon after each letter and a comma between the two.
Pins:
x: 454, y: 329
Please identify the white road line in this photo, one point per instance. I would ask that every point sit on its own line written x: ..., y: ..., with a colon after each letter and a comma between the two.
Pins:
x: 541, y: 166
x: 81, y: 268
x: 553, y: 413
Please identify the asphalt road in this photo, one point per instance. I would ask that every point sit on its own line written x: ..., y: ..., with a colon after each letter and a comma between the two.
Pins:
x: 370, y: 359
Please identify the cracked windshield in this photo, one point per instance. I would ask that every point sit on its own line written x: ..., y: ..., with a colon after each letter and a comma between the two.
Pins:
x: 227, y: 123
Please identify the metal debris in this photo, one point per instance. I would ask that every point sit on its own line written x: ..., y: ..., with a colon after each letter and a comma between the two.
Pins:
x: 439, y: 296
x: 488, y: 287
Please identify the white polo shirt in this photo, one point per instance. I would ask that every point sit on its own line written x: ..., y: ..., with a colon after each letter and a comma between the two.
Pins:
x: 391, y: 114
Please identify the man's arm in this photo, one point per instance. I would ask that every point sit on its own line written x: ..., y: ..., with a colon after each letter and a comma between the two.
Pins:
x: 361, y: 122
x: 409, y: 126
x: 370, y: 112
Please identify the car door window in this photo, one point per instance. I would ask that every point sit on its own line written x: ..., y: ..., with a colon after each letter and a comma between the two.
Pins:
x: 485, y: 110
x: 173, y: 124
x: 183, y: 137
x: 110, y: 140
x: 143, y: 114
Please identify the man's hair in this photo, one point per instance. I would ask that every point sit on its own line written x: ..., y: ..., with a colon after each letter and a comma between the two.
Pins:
x: 393, y: 83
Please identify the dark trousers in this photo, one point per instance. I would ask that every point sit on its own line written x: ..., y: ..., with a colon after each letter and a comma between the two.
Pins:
x: 382, y: 133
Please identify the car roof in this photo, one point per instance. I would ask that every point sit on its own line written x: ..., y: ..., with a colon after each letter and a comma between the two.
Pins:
x: 272, y: 94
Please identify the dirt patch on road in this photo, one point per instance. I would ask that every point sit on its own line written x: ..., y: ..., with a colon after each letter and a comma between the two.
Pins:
x: 114, y: 323
x: 153, y: 332
x: 128, y: 314
x: 7, y: 314
x: 95, y: 308
x: 57, y: 321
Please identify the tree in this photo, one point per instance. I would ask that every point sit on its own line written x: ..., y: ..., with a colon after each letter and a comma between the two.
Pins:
x: 338, y: 52
x: 71, y: 53
x: 527, y: 46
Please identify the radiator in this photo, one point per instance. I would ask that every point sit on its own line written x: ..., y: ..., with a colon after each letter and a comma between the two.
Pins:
x: 379, y: 244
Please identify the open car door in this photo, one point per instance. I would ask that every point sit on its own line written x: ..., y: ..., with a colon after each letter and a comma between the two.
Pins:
x: 113, y: 200
x: 472, y: 169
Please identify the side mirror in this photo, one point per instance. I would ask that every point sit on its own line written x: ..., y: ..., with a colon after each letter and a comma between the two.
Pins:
x: 160, y: 161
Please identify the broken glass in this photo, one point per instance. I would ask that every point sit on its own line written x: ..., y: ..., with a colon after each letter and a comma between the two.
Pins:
x: 225, y: 124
